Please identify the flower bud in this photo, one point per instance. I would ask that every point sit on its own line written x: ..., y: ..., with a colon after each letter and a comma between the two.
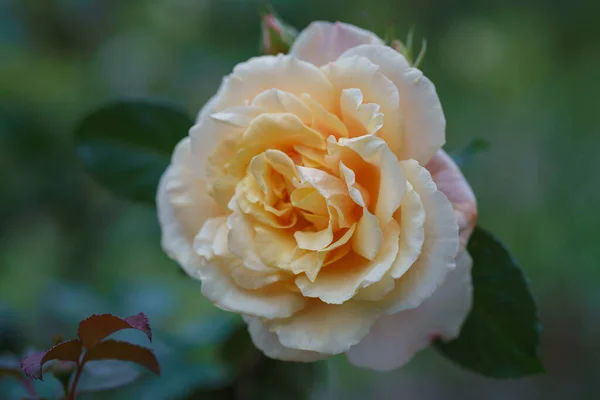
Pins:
x: 277, y: 36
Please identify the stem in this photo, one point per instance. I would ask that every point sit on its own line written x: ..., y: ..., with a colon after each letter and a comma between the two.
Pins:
x: 73, y: 392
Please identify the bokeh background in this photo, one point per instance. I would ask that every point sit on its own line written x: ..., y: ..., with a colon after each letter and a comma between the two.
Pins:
x: 522, y: 74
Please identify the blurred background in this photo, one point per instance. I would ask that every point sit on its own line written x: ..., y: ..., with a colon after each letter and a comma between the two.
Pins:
x: 523, y: 75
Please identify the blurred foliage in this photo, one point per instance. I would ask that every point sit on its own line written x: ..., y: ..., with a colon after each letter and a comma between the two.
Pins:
x: 521, y: 75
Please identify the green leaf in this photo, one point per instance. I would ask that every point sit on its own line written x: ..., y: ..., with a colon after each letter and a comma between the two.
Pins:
x: 500, y: 337
x: 127, y: 145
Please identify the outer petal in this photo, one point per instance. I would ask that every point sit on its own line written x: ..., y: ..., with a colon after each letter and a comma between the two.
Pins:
x: 183, y: 205
x: 322, y: 42
x: 326, y: 328
x: 450, y: 180
x: 424, y: 124
x: 439, y: 250
x: 395, y: 339
x: 269, y: 344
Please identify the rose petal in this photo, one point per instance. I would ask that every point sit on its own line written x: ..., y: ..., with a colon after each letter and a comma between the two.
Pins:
x: 412, y: 217
x: 278, y: 101
x: 395, y: 339
x: 183, y: 207
x: 392, y: 182
x: 322, y: 42
x: 268, y: 343
x: 361, y: 73
x: 360, y: 118
x: 424, y: 124
x: 326, y: 328
x: 274, y: 301
x: 340, y: 281
x: 450, y: 180
x: 437, y: 257
x: 249, y: 80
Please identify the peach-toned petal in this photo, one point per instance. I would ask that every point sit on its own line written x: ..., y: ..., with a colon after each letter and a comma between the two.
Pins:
x: 314, y: 240
x: 265, y: 132
x: 240, y: 116
x: 360, y: 118
x: 423, y: 121
x: 322, y: 42
x: 395, y: 339
x: 278, y: 101
x: 340, y: 281
x: 242, y: 244
x: 285, y: 73
x: 326, y: 328
x: 218, y: 286
x: 311, y: 262
x: 369, y: 237
x: 376, y: 88
x: 412, y: 218
x: 392, y: 184
x: 276, y: 247
x: 440, y: 247
x: 183, y: 207
x: 323, y: 120
x: 268, y: 343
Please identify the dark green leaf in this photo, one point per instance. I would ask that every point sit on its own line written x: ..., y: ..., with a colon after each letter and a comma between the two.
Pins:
x: 127, y: 145
x: 501, y: 334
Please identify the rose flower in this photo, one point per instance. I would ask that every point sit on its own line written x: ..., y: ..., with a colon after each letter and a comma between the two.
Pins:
x: 313, y: 198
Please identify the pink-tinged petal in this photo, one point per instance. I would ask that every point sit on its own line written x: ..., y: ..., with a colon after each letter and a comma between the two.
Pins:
x: 423, y: 122
x: 395, y: 339
x: 268, y: 343
x: 450, y: 180
x: 326, y: 328
x: 438, y: 255
x: 322, y: 42
x: 183, y: 206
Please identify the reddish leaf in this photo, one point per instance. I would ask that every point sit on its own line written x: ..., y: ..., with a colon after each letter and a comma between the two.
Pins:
x: 97, y: 327
x: 65, y: 351
x: 123, y: 351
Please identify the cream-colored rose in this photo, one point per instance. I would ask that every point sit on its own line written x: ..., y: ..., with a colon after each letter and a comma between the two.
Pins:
x: 301, y: 201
